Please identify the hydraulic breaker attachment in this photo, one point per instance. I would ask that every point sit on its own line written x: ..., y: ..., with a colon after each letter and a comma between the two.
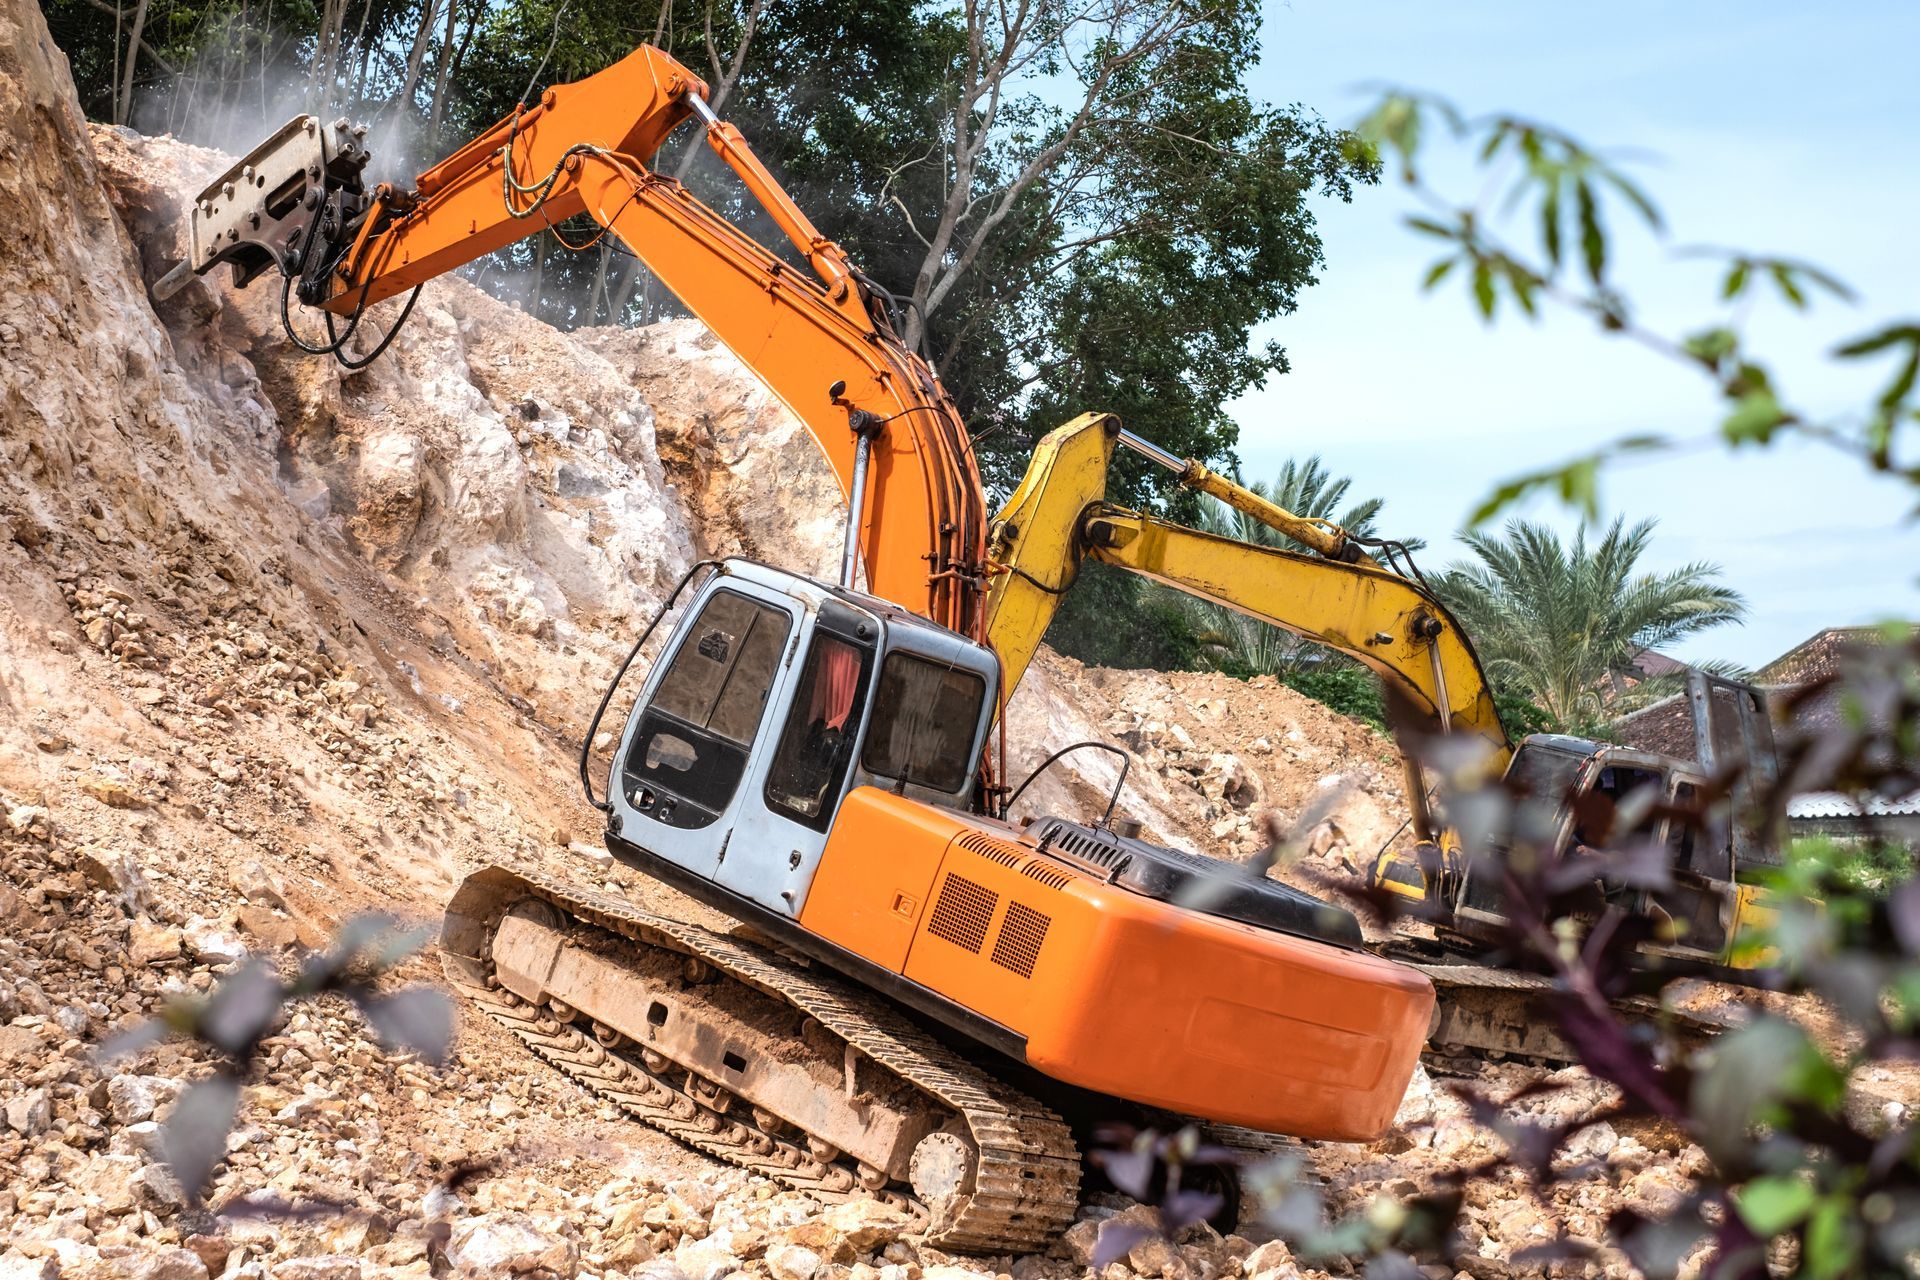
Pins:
x: 290, y: 204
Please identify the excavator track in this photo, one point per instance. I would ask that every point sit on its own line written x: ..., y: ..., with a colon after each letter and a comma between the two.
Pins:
x: 1485, y: 1014
x: 1025, y: 1176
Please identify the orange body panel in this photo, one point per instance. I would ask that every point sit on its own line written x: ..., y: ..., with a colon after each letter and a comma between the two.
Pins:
x: 1120, y: 993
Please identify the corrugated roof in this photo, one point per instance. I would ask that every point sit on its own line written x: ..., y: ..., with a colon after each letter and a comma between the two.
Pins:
x: 1835, y: 804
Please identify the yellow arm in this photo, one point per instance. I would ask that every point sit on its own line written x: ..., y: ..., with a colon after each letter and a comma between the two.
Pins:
x: 1058, y: 517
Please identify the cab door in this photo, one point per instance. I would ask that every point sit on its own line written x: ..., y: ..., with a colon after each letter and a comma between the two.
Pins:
x: 1698, y: 906
x: 797, y: 780
x: 690, y: 744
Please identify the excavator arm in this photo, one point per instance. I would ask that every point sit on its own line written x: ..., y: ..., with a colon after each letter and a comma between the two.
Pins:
x: 821, y: 341
x: 1393, y: 625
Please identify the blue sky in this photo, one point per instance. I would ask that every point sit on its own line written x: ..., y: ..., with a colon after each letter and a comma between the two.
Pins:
x: 1773, y: 127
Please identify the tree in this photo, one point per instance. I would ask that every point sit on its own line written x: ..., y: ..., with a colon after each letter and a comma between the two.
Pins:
x: 1554, y: 621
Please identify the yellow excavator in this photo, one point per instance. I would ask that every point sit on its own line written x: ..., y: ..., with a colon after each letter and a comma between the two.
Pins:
x: 923, y: 988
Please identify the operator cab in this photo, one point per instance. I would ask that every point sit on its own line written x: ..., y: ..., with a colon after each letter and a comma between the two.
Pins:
x: 774, y: 697
x: 1589, y: 796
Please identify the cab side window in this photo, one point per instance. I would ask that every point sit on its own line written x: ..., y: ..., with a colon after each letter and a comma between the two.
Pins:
x: 816, y: 746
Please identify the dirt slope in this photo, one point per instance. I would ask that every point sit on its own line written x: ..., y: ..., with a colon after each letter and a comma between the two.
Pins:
x: 279, y: 644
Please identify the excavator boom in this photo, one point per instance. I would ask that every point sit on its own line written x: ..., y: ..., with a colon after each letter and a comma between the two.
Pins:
x: 821, y: 339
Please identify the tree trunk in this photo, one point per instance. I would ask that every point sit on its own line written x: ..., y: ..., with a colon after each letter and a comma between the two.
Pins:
x: 124, y: 108
x: 417, y: 55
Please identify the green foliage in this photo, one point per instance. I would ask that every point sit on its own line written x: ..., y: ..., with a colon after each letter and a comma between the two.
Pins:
x: 1554, y: 623
x: 1351, y: 690
x: 1113, y: 619
x: 1564, y: 190
x: 1867, y: 867
x: 1519, y: 714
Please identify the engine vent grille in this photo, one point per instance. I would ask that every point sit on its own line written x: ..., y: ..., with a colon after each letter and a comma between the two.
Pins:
x: 1046, y: 875
x: 1021, y: 935
x: 1086, y: 847
x: 1007, y: 855
x: 963, y: 913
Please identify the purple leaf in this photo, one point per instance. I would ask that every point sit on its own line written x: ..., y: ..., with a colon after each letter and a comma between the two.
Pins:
x: 196, y: 1133
x: 418, y: 1018
x: 1903, y: 912
x: 1130, y: 1171
x: 1181, y: 1209
x: 242, y: 1007
x: 1116, y: 1241
x: 142, y: 1035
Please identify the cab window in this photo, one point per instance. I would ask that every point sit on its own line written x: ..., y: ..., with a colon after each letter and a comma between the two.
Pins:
x: 694, y: 737
x: 924, y: 717
x: 816, y: 746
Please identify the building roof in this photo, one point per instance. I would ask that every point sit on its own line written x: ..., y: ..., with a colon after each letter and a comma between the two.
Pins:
x: 1834, y: 804
x: 1650, y: 662
x: 1816, y: 657
x: 1664, y: 727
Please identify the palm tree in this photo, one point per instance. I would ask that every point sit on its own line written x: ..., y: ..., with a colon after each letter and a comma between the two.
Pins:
x: 1555, y: 622
x: 1232, y: 641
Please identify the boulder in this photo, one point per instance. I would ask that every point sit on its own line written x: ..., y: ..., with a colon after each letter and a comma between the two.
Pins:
x: 170, y: 1264
x: 17, y: 1266
x: 865, y: 1225
x: 149, y: 943
x: 30, y: 1114
x: 209, y: 943
x: 792, y: 1262
x: 258, y: 885
x: 510, y: 1244
x: 132, y: 1098
x: 708, y: 1258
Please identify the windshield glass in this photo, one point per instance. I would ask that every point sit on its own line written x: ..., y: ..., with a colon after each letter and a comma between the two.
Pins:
x: 924, y: 717
x: 1545, y: 776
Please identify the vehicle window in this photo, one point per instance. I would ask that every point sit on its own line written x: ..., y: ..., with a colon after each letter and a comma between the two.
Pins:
x: 1597, y: 819
x: 1546, y: 776
x: 816, y: 745
x: 924, y: 717
x: 724, y: 669
x: 690, y: 749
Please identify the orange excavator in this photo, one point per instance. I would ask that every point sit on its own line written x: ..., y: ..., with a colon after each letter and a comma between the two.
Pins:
x: 922, y: 988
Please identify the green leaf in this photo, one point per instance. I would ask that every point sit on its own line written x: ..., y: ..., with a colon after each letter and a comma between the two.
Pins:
x: 1636, y: 197
x: 1550, y: 222
x: 1438, y: 272
x: 1430, y: 227
x: 1711, y: 346
x: 1593, y: 241
x: 1789, y: 287
x: 1736, y: 282
x: 1771, y: 1205
x: 1754, y: 419
x: 1905, y: 333
x: 1483, y: 289
x: 1833, y: 1239
x: 1750, y: 1071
